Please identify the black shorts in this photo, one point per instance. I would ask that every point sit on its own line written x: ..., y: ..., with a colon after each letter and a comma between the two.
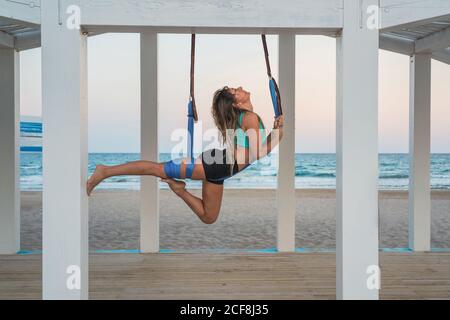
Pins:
x: 217, y: 170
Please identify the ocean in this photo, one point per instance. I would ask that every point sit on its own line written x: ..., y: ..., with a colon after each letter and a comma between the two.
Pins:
x: 313, y: 171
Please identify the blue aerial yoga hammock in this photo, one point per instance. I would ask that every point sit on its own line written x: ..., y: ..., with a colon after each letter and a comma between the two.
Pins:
x: 173, y: 168
x: 274, y: 90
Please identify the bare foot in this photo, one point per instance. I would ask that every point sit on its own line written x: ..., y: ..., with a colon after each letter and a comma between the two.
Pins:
x: 176, y: 186
x: 97, y: 177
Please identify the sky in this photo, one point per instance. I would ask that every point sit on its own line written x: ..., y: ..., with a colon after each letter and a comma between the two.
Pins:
x: 234, y: 60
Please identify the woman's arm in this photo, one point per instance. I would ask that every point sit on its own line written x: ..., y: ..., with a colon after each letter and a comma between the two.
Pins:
x: 259, y: 150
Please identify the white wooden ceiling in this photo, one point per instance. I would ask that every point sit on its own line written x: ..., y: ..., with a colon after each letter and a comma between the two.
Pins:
x: 432, y: 35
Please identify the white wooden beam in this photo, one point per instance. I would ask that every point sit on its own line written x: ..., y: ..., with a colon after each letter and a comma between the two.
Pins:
x: 29, y: 40
x: 434, y: 42
x: 213, y: 30
x: 419, y: 182
x: 6, y: 40
x: 65, y: 203
x: 149, y: 141
x: 357, y: 154
x: 396, y: 44
x: 394, y: 13
x: 442, y: 56
x: 286, y: 172
x: 256, y: 16
x: 27, y: 11
x: 215, y: 13
x: 9, y: 152
x: 262, y: 14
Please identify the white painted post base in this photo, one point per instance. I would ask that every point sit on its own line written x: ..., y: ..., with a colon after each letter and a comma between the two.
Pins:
x: 419, y: 137
x: 357, y: 154
x: 65, y: 157
x: 149, y: 141
x: 9, y: 152
x: 286, y: 172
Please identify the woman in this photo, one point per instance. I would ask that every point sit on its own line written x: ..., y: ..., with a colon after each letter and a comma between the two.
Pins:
x: 246, y: 143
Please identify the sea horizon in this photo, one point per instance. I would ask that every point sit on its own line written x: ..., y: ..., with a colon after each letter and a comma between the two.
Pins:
x: 313, y: 171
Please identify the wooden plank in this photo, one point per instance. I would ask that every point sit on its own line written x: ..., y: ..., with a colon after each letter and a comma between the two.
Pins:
x: 64, y: 109
x: 434, y: 42
x: 286, y: 171
x: 396, y: 44
x: 442, y: 56
x: 324, y: 14
x: 6, y: 40
x: 212, y: 30
x: 149, y: 223
x: 232, y: 276
x: 394, y: 13
x: 9, y: 154
x: 27, y: 11
x: 419, y: 205
x: 357, y: 154
x: 29, y: 40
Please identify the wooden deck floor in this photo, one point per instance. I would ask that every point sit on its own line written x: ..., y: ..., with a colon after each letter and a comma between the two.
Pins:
x: 231, y: 276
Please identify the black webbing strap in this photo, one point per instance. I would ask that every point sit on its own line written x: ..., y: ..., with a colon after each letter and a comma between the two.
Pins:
x: 194, y: 107
x: 269, y: 73
x: 266, y: 53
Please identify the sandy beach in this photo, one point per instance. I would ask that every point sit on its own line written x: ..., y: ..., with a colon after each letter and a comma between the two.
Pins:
x: 247, y: 221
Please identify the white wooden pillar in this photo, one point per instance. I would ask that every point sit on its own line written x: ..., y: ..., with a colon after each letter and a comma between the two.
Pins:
x: 65, y: 203
x: 286, y: 171
x: 419, y: 139
x: 357, y: 154
x: 149, y: 141
x: 9, y: 151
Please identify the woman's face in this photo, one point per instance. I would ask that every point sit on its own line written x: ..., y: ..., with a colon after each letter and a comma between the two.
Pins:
x: 241, y: 96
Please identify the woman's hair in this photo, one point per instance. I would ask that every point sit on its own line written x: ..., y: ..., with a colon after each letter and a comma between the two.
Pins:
x: 226, y: 117
x: 224, y: 113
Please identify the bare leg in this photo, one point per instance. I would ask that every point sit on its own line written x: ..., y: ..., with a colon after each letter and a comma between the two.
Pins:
x: 140, y: 168
x: 208, y: 208
x: 137, y: 168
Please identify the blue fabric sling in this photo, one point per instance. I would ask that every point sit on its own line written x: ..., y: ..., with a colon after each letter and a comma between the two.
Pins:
x: 275, y: 98
x: 173, y: 168
x: 191, y: 120
x: 274, y: 90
